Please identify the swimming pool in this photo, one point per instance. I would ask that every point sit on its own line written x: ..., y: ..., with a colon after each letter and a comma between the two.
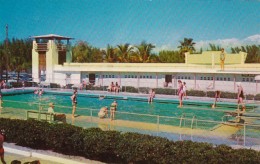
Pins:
x: 138, y: 105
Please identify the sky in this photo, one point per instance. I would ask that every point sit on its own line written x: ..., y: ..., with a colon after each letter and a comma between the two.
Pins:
x: 164, y: 23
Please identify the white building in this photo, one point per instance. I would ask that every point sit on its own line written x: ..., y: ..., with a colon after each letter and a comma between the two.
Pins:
x: 52, y: 60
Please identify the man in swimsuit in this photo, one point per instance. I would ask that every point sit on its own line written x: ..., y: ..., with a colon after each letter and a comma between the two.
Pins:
x: 222, y: 59
x: 74, y: 102
x: 113, y: 107
x: 2, y: 151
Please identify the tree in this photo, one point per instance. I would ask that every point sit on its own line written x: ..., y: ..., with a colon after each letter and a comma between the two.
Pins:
x: 170, y: 57
x: 110, y: 54
x: 213, y: 47
x: 144, y: 51
x: 124, y: 52
x: 253, y: 52
x: 81, y: 52
x: 187, y: 45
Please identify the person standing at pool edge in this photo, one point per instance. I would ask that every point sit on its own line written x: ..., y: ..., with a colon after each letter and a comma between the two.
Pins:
x: 113, y: 108
x: 222, y: 59
x: 180, y: 93
x: 240, y: 97
x: 74, y: 102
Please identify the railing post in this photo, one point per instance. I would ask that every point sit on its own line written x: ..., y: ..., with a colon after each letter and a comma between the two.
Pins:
x: 158, y: 123
x: 244, y: 134
x: 91, y: 115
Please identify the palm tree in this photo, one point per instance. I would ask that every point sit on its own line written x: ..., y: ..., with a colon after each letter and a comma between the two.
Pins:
x: 213, y: 47
x: 110, y: 54
x: 187, y: 45
x: 124, y: 52
x: 144, y: 50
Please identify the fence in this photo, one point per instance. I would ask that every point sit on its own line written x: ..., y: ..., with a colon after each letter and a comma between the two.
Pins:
x: 177, y: 127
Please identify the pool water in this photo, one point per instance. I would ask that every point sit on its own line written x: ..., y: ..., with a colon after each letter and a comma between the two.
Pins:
x: 138, y: 105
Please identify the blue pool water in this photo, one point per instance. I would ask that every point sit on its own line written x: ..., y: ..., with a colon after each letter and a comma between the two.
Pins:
x: 139, y: 105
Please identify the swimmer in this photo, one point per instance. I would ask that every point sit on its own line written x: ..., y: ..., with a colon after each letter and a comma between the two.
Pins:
x: 101, y: 97
x: 36, y: 92
x: 103, y: 112
x: 217, y: 96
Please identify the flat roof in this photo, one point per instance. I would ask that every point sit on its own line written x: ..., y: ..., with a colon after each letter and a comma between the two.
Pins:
x: 51, y: 36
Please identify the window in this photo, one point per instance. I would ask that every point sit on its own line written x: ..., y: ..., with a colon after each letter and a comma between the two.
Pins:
x: 125, y: 76
x: 243, y: 79
x: 144, y: 77
x: 135, y: 76
x: 106, y: 76
x: 201, y: 78
x: 109, y: 76
x: 204, y: 78
x: 217, y: 78
x: 113, y: 76
x: 151, y: 77
x: 132, y: 76
x: 229, y: 79
x: 221, y: 78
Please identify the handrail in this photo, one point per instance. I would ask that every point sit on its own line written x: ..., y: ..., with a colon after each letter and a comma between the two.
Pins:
x: 194, y: 117
x: 226, y: 116
x: 41, y: 47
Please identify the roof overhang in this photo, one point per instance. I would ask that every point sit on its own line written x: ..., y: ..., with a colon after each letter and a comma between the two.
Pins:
x: 52, y: 36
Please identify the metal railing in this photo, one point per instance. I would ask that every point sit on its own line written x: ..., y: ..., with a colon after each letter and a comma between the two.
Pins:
x: 177, y: 127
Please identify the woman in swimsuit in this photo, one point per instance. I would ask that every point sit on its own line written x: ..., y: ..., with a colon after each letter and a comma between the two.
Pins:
x: 180, y: 93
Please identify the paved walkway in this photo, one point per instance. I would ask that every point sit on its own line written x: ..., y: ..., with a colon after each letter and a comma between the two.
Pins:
x: 23, y: 154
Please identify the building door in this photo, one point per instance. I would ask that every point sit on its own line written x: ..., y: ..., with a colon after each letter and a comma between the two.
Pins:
x: 92, y: 78
x: 168, y: 78
x: 42, y: 66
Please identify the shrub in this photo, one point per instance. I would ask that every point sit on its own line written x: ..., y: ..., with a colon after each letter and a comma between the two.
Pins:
x: 129, y: 89
x: 196, y: 93
x: 54, y: 85
x: 116, y: 147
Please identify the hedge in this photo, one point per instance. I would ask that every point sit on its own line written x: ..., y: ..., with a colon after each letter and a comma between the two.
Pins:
x: 118, y: 147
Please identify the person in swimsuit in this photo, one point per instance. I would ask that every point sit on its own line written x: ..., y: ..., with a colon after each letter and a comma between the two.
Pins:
x: 113, y: 108
x: 103, y: 112
x: 240, y: 97
x: 184, y: 90
x: 217, y: 96
x: 74, y: 102
x: 222, y: 59
x: 151, y: 96
x: 180, y: 93
x: 2, y: 151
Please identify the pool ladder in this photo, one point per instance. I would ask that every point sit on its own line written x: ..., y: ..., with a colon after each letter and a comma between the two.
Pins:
x: 183, y: 119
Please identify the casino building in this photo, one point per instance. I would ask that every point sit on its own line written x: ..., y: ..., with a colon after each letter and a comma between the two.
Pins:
x: 51, y: 63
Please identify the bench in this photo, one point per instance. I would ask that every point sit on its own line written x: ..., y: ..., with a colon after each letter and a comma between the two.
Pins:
x: 45, y: 116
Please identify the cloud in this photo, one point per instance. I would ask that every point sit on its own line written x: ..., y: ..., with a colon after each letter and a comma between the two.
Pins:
x: 228, y: 43
x: 225, y: 43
